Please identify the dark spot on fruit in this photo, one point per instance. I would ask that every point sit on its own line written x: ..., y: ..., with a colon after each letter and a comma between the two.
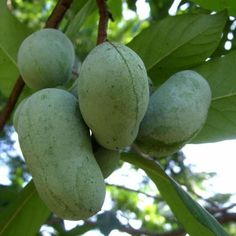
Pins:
x: 43, y: 97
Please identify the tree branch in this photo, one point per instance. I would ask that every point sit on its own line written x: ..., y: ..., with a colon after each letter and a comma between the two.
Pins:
x: 135, y: 191
x: 227, y: 217
x: 103, y: 21
x: 52, y: 22
x: 132, y: 231
x: 11, y: 102
x: 58, y: 13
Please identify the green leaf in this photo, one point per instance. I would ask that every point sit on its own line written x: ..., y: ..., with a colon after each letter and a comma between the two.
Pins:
x: 12, y: 33
x: 115, y: 8
x: 218, y: 5
x: 79, y: 19
x: 8, y: 74
x: 221, y: 121
x: 177, y: 43
x: 7, y: 194
x: 195, y: 219
x: 25, y: 215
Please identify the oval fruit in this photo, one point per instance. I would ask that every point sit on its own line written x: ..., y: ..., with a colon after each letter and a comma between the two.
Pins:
x: 57, y: 149
x: 113, y: 94
x: 45, y: 59
x: 176, y: 113
x: 107, y: 160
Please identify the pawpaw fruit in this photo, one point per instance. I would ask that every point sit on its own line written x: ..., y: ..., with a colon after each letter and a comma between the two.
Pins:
x: 57, y: 148
x: 45, y: 59
x: 113, y: 94
x: 176, y: 113
x: 107, y: 160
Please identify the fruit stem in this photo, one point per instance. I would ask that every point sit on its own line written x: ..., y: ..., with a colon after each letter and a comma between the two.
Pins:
x: 105, y: 15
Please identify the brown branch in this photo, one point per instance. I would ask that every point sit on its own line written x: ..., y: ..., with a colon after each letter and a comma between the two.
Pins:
x: 52, y: 22
x: 227, y: 217
x: 224, y: 218
x: 15, y: 94
x: 134, y: 191
x: 132, y: 231
x: 218, y: 210
x: 58, y: 13
x: 103, y: 21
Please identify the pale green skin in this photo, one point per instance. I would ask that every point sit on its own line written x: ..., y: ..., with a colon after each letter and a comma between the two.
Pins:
x: 113, y: 94
x: 176, y: 113
x: 45, y: 59
x: 57, y: 149
x: 107, y: 160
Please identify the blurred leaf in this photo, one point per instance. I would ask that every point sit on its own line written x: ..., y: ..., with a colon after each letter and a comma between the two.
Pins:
x: 131, y: 4
x: 79, y: 19
x: 25, y: 215
x: 32, y: 13
x: 115, y: 8
x: 220, y: 198
x: 107, y: 221
x: 221, y: 121
x: 196, y: 220
x: 77, y: 5
x: 159, y: 9
x: 218, y: 5
x: 177, y: 43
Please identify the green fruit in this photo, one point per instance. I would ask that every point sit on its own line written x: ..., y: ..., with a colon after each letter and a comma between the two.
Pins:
x: 107, y: 160
x: 57, y: 149
x: 45, y: 59
x: 176, y: 113
x: 17, y: 113
x: 113, y: 94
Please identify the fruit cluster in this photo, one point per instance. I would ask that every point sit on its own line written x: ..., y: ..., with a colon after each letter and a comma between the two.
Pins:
x: 112, y: 102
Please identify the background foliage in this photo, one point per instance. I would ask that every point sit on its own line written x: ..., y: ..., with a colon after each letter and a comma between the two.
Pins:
x: 192, y: 38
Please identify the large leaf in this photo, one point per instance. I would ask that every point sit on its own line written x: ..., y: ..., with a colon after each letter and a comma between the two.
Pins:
x: 178, y: 42
x: 12, y: 33
x: 7, y: 194
x: 25, y: 215
x: 217, y: 5
x: 79, y: 19
x: 8, y: 73
x: 221, y: 121
x: 195, y: 219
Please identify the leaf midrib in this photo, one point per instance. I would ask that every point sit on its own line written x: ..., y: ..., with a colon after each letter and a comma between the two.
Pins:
x: 17, y: 211
x: 223, y: 97
x: 178, y: 46
x: 8, y: 55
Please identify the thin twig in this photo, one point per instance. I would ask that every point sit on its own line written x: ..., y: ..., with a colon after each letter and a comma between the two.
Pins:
x: 132, y: 231
x: 103, y: 21
x: 135, y: 191
x: 52, y: 22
